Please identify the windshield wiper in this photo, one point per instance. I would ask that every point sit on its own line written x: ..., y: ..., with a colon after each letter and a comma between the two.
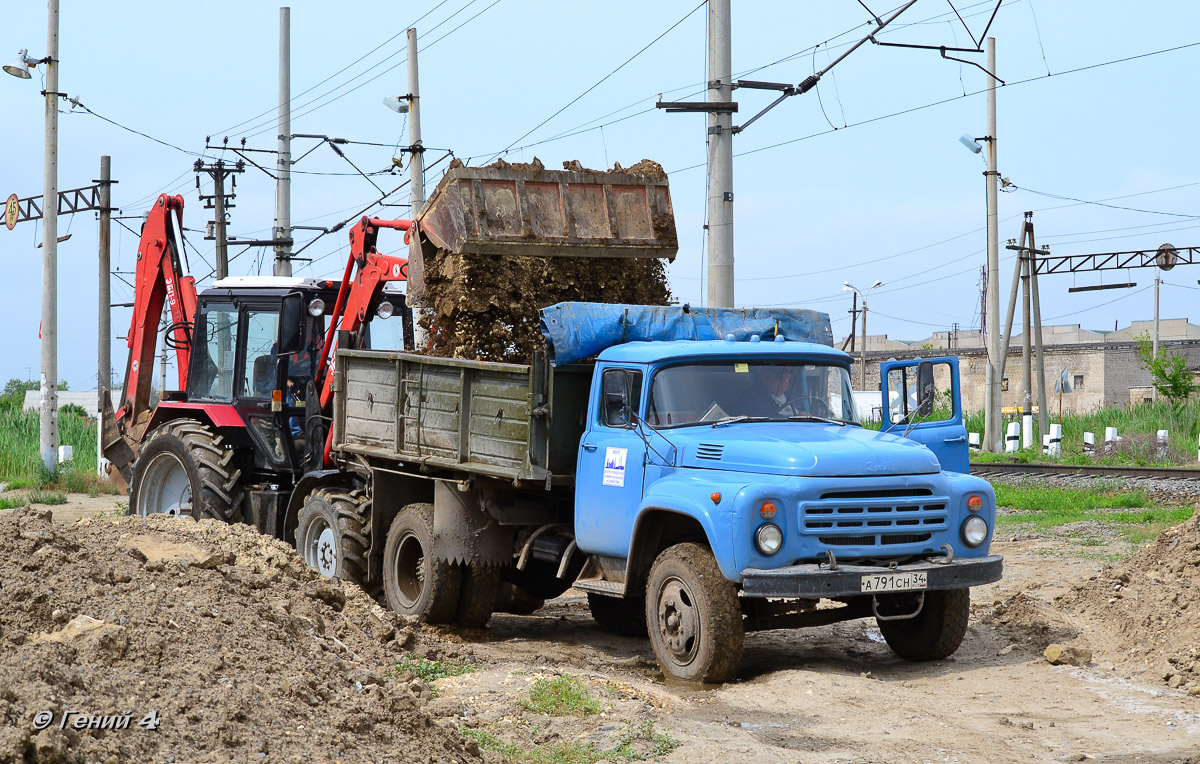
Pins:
x: 815, y: 418
x: 740, y: 418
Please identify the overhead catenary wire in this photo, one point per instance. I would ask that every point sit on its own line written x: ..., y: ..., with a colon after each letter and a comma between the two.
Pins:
x: 943, y: 101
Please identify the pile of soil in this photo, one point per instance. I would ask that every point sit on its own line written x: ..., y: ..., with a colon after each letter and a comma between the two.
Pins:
x: 244, y: 653
x: 485, y: 307
x: 1152, y: 602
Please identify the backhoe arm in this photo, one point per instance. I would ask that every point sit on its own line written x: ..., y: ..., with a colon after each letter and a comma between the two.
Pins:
x: 159, y: 280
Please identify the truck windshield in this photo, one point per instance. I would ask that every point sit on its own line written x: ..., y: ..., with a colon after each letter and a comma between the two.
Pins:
x: 760, y: 390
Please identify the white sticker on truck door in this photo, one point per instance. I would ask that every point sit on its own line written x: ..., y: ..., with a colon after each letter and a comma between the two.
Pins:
x: 614, y: 466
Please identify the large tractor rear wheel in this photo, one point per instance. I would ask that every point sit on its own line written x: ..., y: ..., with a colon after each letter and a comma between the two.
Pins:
x: 185, y: 468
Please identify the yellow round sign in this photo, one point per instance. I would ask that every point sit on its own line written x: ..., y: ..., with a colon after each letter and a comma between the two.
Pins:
x: 11, y: 209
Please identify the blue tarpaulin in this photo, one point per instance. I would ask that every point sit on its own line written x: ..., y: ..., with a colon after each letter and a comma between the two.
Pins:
x: 578, y: 330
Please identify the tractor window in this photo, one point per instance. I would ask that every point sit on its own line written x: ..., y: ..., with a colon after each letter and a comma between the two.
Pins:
x: 211, y: 374
x: 262, y: 335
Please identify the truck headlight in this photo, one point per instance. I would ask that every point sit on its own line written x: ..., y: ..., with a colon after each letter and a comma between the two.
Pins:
x: 768, y: 539
x: 974, y: 530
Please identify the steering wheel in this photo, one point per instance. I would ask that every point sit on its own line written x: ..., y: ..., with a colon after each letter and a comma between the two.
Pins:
x: 813, y: 404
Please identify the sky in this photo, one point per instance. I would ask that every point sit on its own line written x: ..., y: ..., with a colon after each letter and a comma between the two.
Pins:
x: 858, y: 180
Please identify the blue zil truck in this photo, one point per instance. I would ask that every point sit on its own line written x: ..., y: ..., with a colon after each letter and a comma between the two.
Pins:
x: 699, y: 474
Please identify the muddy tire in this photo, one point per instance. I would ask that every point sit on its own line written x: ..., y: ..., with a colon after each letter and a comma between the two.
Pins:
x: 513, y: 599
x: 477, y: 595
x: 415, y: 582
x: 184, y: 468
x: 623, y: 616
x: 333, y: 534
x: 936, y: 632
x: 694, y: 619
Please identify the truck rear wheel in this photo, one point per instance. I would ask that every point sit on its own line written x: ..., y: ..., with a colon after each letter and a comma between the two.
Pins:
x: 936, y: 632
x: 623, y: 616
x: 415, y: 582
x: 333, y: 534
x: 477, y: 595
x: 184, y: 468
x: 693, y: 615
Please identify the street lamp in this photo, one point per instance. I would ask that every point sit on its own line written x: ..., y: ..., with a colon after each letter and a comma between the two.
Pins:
x: 862, y: 362
x: 19, y: 68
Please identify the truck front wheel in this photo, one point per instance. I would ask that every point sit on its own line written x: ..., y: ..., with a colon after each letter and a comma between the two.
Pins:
x: 936, y: 632
x: 693, y: 615
x: 184, y: 468
x: 415, y: 582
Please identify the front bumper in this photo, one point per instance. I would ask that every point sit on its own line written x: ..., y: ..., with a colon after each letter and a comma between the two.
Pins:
x: 813, y: 580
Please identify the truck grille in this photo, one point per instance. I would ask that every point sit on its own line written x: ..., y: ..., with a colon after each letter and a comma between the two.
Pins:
x: 875, y: 517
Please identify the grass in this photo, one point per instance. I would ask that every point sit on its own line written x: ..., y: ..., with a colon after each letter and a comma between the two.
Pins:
x: 33, y: 497
x: 1052, y: 507
x: 21, y: 466
x: 561, y: 696
x: 431, y: 671
x: 638, y: 743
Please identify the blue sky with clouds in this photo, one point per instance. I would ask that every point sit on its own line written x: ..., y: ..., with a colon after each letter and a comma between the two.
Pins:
x: 829, y: 185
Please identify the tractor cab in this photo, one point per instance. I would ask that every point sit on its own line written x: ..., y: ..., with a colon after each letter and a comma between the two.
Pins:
x: 256, y: 344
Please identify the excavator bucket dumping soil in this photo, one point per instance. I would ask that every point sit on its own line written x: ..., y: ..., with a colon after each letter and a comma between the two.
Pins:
x: 525, y: 210
x: 499, y: 243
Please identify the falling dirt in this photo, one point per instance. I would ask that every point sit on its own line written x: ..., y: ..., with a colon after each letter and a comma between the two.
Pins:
x: 239, y: 650
x: 486, y: 307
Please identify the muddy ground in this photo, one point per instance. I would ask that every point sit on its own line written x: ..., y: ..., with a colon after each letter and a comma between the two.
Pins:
x: 827, y: 694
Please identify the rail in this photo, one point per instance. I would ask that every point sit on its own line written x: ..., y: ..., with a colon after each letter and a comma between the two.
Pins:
x: 1009, y: 468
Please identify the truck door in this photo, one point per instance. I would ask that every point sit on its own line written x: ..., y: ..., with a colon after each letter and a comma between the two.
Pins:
x: 610, y: 470
x: 942, y: 429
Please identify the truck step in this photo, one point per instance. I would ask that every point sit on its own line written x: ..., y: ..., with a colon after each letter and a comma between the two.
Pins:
x: 600, y: 586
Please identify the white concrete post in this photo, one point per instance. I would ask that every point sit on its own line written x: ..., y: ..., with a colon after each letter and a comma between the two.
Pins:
x: 1089, y: 442
x: 1056, y: 440
x: 1110, y: 435
x: 1012, y: 438
x: 973, y: 441
x: 1027, y: 431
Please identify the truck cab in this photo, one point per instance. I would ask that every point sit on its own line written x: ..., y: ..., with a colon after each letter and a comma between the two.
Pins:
x: 746, y: 460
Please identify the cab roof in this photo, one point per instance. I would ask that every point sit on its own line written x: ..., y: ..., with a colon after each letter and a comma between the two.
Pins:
x: 652, y: 352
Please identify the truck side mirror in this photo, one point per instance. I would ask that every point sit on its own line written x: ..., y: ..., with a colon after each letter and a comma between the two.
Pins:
x: 615, y: 389
x: 291, y: 318
x: 925, y: 388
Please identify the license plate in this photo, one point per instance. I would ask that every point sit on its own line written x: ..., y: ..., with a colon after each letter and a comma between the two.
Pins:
x: 894, y: 582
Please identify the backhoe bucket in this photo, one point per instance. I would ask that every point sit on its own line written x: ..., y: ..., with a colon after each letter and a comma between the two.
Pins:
x: 527, y: 210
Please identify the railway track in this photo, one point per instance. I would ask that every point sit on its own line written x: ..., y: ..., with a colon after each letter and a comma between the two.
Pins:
x: 1091, y: 470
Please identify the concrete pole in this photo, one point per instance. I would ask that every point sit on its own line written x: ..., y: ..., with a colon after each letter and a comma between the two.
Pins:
x: 416, y: 165
x: 283, y: 166
x: 720, y: 157
x: 219, y: 213
x: 49, y: 408
x: 862, y: 365
x: 992, y: 417
x: 416, y: 169
x: 1039, y: 347
x: 104, y: 312
x: 1027, y: 372
x: 1157, y: 281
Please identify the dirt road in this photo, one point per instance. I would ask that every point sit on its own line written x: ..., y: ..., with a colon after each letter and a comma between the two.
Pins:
x: 837, y: 693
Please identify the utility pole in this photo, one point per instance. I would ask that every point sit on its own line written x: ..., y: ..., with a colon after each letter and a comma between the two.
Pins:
x: 283, y: 186
x: 720, y: 156
x: 48, y: 432
x: 853, y: 325
x: 219, y: 202
x: 862, y: 358
x: 104, y: 319
x: 1157, y: 281
x: 1039, y: 347
x: 992, y: 393
x: 416, y: 165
